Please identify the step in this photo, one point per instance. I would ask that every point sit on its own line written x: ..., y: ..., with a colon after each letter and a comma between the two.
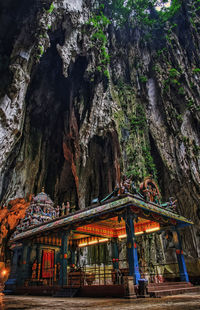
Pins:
x: 163, y: 287
x: 131, y: 296
x: 169, y: 283
x: 70, y: 292
x: 177, y: 291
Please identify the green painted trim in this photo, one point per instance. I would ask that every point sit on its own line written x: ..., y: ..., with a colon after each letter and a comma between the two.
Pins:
x: 99, y: 210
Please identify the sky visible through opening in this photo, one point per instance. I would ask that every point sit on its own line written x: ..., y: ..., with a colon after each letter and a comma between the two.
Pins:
x: 161, y: 5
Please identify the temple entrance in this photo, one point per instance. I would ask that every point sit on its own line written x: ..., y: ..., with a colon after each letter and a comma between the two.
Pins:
x: 99, y: 252
x: 48, y: 264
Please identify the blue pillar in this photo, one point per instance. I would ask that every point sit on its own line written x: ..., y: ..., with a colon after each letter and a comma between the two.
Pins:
x: 132, y: 249
x: 63, y: 260
x: 180, y: 257
x: 115, y: 254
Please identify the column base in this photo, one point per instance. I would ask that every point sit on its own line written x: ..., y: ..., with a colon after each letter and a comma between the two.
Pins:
x: 136, y: 277
x: 182, y: 266
x: 184, y: 277
x: 130, y: 288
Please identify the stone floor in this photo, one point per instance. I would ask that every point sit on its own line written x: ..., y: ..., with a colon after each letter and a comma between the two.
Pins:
x: 180, y: 302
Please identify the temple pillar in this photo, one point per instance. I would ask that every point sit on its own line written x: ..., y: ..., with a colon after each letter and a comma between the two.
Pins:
x: 15, y: 262
x: 132, y: 249
x: 25, y: 267
x: 73, y: 255
x: 63, y: 260
x: 180, y: 257
x: 115, y: 253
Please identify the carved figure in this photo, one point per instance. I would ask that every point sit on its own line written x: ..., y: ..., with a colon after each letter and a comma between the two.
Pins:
x: 171, y: 204
x: 63, y: 209
x: 127, y: 184
x: 67, y: 208
x: 149, y: 189
x: 54, y: 214
x: 57, y: 211
x: 40, y: 210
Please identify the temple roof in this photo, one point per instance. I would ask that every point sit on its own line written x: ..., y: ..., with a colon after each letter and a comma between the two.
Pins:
x: 112, y: 208
x: 43, y: 198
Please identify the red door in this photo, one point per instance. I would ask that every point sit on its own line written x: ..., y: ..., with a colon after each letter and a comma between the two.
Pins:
x: 47, y: 263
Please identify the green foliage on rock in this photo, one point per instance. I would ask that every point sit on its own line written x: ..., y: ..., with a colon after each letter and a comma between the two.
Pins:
x: 143, y: 79
x: 52, y: 7
x: 143, y: 12
x: 134, y: 137
x: 99, y: 22
x: 138, y: 120
x: 41, y: 49
x: 174, y: 73
x: 196, y: 70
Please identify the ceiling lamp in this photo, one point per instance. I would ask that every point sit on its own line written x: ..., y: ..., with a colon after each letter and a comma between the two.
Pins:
x: 152, y: 229
x: 139, y: 233
x: 103, y: 240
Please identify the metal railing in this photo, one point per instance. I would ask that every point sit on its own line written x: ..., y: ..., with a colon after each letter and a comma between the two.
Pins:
x: 105, y: 274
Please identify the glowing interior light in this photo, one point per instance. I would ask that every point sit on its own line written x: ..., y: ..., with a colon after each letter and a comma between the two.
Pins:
x: 82, y: 245
x: 93, y: 242
x: 153, y: 229
x: 122, y: 236
x: 103, y: 240
x: 139, y: 233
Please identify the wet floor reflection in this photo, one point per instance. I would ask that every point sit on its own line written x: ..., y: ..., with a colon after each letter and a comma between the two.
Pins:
x: 186, y: 302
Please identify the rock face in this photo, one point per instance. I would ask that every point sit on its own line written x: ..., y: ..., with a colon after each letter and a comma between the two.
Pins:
x: 73, y: 125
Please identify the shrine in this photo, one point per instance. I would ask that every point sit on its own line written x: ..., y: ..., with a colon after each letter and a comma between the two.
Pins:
x: 63, y: 253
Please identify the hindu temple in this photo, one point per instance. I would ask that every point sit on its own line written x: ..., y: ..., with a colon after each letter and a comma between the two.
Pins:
x: 63, y: 252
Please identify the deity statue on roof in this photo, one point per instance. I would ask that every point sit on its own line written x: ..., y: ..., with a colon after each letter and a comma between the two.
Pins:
x: 149, y: 189
x: 67, y: 208
x: 170, y: 205
x: 40, y: 210
x: 63, y: 209
x: 127, y: 185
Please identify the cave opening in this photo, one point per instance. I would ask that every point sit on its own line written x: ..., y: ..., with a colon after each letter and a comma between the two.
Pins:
x: 51, y: 133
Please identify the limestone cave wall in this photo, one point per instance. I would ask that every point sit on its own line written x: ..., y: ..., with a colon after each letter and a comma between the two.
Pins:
x: 74, y: 129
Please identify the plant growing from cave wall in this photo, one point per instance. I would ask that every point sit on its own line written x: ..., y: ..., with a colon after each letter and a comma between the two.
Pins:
x: 99, y: 23
x: 142, y: 12
x: 134, y: 138
x: 51, y: 8
x: 45, y: 25
x: 170, y: 75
